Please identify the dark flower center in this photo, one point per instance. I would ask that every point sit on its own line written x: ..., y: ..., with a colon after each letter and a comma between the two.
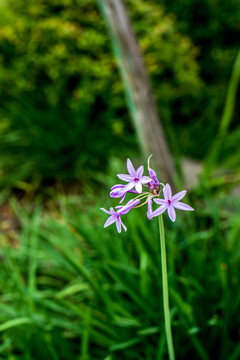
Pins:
x: 169, y: 202
x: 136, y: 179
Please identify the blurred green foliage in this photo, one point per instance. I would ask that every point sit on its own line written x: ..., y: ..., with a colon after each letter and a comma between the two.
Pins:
x: 62, y: 100
x: 223, y: 155
x: 213, y: 26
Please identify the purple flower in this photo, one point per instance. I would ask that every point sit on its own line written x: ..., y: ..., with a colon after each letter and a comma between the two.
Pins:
x: 135, y: 177
x: 119, y: 190
x: 170, y: 203
x: 115, y: 216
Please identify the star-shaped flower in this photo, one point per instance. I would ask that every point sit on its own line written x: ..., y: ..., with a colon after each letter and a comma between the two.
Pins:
x: 135, y: 177
x: 115, y: 216
x: 170, y: 203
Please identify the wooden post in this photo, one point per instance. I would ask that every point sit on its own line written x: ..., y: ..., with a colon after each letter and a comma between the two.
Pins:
x: 137, y: 88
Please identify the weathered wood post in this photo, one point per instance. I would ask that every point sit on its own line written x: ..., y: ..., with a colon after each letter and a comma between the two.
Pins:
x: 137, y: 88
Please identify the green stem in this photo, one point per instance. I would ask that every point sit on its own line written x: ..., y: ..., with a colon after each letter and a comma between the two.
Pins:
x: 165, y: 291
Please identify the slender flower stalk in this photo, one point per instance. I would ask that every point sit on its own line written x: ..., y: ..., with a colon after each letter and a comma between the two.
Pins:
x: 152, y: 192
x: 166, y: 309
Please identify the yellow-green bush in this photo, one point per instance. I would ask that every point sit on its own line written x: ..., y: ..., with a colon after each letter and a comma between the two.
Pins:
x: 57, y: 68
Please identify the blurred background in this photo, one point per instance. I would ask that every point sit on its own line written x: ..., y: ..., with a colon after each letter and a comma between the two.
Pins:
x: 70, y: 289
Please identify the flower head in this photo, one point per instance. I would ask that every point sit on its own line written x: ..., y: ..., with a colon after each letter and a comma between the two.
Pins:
x: 170, y: 203
x: 135, y: 178
x: 135, y: 181
x: 115, y: 216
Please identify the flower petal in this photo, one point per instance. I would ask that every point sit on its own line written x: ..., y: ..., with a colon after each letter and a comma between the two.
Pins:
x: 118, y: 191
x: 150, y: 210
x: 122, y: 199
x: 140, y: 171
x: 110, y: 220
x: 130, y: 168
x: 145, y: 179
x: 159, y: 211
x: 178, y: 196
x: 167, y: 192
x: 180, y: 205
x: 125, y: 228
x: 126, y: 208
x: 138, y: 187
x: 132, y: 191
x: 125, y: 177
x: 153, y: 175
x: 117, y: 187
x: 106, y: 211
x: 129, y: 186
x: 118, y: 224
x: 160, y: 201
x: 171, y: 213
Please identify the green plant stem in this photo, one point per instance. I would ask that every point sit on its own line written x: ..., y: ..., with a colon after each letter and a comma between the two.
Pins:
x: 165, y: 291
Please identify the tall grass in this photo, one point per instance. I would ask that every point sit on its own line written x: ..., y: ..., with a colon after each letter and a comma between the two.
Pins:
x: 222, y: 153
x: 71, y: 290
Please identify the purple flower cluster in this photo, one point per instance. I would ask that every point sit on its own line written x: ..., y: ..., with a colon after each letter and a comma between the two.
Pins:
x: 135, y: 182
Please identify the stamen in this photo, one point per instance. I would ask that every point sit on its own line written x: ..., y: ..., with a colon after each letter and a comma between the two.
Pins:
x: 149, y: 161
x: 145, y: 202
